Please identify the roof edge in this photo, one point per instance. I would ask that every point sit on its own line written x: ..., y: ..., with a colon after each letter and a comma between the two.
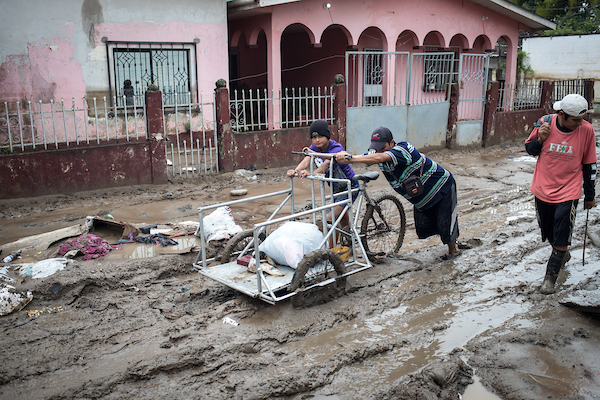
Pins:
x: 518, y: 13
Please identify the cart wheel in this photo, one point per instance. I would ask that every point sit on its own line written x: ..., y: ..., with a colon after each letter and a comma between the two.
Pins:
x: 383, y: 227
x: 236, y: 244
x: 318, y: 272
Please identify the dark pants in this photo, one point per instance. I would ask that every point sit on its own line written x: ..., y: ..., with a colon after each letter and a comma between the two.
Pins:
x: 556, y: 221
x: 440, y: 219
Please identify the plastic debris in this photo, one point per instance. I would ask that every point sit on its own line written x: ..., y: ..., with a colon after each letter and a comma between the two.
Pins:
x: 11, y: 257
x: 249, y: 175
x: 219, y: 224
x: 288, y: 244
x: 4, y: 275
x: 44, y: 268
x: 11, y: 300
x: 230, y: 321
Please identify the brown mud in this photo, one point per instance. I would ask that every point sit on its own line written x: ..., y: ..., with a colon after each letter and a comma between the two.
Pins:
x: 138, y: 324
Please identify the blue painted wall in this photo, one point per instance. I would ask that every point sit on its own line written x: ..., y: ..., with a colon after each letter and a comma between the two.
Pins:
x: 422, y: 125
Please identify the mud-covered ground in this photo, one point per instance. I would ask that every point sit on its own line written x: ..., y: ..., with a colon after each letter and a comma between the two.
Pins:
x: 412, y: 327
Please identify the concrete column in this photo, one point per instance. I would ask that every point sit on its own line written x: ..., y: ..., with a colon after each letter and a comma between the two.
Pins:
x: 546, y: 96
x: 451, y: 128
x: 274, y: 74
x: 588, y: 93
x: 492, y: 95
x: 156, y: 134
x: 225, y: 140
x: 339, y: 107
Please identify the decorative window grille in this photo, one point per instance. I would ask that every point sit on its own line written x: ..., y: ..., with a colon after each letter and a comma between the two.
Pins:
x: 373, y: 78
x: 170, y: 66
x: 439, y: 69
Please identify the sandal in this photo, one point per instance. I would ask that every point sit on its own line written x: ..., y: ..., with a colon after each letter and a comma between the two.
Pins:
x: 451, y: 256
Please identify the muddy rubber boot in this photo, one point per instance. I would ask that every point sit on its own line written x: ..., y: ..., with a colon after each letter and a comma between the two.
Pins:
x: 548, y: 285
x: 566, y: 258
x: 555, y: 263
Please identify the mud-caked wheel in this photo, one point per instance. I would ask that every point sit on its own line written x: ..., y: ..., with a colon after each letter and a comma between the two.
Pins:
x: 236, y: 244
x: 318, y: 266
x: 383, y: 227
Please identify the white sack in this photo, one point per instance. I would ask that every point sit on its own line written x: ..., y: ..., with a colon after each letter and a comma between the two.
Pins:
x: 219, y: 224
x: 287, y: 244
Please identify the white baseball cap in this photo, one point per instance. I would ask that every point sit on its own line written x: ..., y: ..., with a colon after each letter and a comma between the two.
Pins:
x: 574, y: 105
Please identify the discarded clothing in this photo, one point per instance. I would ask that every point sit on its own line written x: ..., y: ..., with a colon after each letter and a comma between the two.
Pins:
x: 90, y: 245
x: 157, y: 238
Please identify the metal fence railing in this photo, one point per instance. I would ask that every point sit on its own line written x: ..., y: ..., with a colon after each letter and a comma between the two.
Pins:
x: 254, y: 110
x: 379, y: 79
x: 519, y: 96
x: 472, y: 80
x: 39, y: 125
x: 191, y: 148
x: 565, y: 87
x: 526, y: 95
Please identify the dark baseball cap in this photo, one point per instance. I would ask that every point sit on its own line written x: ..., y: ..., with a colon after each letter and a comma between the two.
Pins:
x: 380, y: 137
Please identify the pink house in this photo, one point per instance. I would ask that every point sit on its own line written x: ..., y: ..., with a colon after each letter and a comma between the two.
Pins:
x: 61, y: 49
x: 277, y: 44
x: 397, y: 58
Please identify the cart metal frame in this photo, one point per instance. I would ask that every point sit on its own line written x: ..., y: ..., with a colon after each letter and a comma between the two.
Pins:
x: 272, y: 289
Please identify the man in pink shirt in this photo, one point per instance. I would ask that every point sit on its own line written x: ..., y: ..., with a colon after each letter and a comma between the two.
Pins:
x: 566, y: 146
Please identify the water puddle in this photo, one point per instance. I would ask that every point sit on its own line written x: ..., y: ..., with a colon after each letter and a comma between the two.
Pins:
x: 134, y: 251
x: 476, y: 391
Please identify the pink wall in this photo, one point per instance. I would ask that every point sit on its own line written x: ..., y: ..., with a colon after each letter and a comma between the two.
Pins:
x: 47, y: 71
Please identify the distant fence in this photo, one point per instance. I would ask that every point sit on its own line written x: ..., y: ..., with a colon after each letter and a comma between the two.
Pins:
x: 255, y: 110
x: 191, y: 149
x: 44, y: 126
x: 189, y: 127
x: 526, y: 95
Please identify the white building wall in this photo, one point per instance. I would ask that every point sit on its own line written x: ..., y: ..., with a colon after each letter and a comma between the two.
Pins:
x: 565, y: 57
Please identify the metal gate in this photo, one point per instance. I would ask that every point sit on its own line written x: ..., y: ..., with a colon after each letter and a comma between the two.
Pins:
x: 408, y: 92
x: 400, y: 90
x: 473, y: 81
x: 191, y: 148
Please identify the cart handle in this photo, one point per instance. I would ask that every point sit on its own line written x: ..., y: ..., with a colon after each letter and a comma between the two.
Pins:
x: 308, y: 153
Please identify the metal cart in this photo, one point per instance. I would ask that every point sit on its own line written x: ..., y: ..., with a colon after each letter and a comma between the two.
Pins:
x: 317, y: 269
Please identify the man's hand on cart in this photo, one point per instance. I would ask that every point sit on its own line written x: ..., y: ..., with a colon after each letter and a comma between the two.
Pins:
x: 343, y: 157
